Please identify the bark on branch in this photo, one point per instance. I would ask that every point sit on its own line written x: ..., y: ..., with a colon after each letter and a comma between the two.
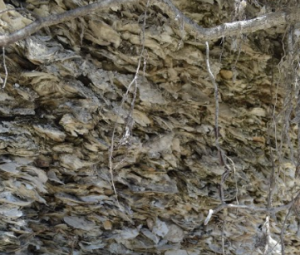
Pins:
x: 56, y: 19
x: 229, y: 29
x: 192, y: 28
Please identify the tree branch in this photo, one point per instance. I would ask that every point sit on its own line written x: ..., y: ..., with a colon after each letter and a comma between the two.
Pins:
x: 204, y: 34
x: 56, y: 19
x: 229, y: 29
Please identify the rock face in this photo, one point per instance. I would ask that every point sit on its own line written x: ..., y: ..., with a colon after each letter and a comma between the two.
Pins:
x: 99, y: 157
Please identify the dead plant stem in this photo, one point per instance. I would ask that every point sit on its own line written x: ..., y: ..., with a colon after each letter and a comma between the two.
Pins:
x: 5, y: 68
x: 125, y: 96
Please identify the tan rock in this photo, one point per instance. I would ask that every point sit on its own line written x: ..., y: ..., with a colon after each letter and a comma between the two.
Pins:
x: 107, y: 225
x: 226, y: 74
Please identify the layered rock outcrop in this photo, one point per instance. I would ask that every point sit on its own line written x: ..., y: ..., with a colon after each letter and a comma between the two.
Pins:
x: 74, y: 89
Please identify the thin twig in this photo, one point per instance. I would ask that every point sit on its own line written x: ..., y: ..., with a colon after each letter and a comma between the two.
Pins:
x: 5, y: 68
x: 223, y: 48
x: 213, y: 80
x: 266, y: 227
x: 285, y: 220
x: 227, y: 169
x: 283, y: 230
x: 134, y: 81
x: 216, y: 94
x: 235, y: 179
x: 140, y: 61
x: 233, y: 67
x: 272, y: 174
x: 246, y: 207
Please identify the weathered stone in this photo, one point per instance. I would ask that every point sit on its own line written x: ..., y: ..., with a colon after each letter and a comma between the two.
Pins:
x: 98, y: 157
x: 226, y: 74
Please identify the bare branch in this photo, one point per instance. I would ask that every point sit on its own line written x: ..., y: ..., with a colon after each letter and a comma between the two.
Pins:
x: 129, y: 116
x: 213, y: 80
x: 248, y: 208
x: 226, y: 29
x: 229, y: 29
x: 285, y: 220
x: 56, y: 19
x: 5, y: 68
